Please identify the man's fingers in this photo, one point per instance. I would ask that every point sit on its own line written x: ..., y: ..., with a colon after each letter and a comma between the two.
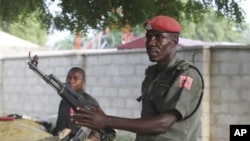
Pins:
x: 79, y: 116
x: 92, y: 108
x: 81, y: 109
x: 82, y: 121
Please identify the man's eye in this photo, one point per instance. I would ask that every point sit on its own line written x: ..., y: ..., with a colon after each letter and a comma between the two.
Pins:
x: 76, y: 78
x: 73, y: 78
x: 158, y: 37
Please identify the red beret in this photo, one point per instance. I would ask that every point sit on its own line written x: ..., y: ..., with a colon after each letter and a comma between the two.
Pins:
x: 163, y: 23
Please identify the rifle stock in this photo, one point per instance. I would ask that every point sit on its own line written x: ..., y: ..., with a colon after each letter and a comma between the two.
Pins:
x: 71, y: 97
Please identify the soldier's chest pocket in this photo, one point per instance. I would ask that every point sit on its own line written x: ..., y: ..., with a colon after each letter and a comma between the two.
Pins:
x: 158, y: 97
x: 159, y: 93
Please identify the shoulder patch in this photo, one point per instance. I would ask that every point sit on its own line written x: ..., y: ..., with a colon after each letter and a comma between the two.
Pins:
x: 185, y: 82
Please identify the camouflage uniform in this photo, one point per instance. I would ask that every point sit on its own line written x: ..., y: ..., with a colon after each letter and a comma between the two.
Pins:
x: 167, y: 90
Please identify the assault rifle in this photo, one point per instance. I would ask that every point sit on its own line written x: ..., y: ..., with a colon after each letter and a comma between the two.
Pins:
x: 73, y: 99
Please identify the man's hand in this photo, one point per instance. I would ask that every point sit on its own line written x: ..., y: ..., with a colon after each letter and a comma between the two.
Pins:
x: 94, y: 118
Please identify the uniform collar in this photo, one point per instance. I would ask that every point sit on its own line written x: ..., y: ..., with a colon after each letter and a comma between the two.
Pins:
x: 172, y: 64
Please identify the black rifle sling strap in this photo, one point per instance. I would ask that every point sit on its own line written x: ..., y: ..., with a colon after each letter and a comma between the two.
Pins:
x: 177, y: 73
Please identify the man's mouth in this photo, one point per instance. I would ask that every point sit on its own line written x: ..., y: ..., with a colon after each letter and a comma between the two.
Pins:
x: 152, y: 52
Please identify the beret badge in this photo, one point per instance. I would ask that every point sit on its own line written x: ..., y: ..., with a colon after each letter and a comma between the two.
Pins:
x: 163, y: 24
x: 148, y: 26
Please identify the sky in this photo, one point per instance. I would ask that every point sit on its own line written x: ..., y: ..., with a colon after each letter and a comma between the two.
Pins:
x: 246, y: 7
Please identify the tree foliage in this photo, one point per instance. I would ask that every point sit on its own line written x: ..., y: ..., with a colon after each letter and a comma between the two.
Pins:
x: 31, y: 31
x: 81, y: 15
x: 14, y: 11
x: 216, y: 30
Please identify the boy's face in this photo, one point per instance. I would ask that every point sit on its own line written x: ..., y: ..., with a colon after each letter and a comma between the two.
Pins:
x: 75, y: 80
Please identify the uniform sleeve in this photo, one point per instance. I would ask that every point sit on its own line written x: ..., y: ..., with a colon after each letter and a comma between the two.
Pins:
x: 184, y: 93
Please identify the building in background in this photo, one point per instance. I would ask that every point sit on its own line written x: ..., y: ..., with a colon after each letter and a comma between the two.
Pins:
x: 10, y: 44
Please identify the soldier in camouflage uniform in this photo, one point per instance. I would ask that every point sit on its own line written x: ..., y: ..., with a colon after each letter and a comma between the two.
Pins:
x: 171, y: 92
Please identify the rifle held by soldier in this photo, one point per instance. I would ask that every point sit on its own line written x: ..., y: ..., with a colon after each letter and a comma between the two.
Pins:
x: 73, y: 99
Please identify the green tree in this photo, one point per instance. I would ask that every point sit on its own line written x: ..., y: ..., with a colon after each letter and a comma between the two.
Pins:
x: 213, y: 29
x: 31, y: 31
x: 81, y: 15
x: 27, y: 28
x: 14, y: 11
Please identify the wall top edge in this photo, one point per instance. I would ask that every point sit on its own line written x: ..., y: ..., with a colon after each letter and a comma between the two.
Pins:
x: 67, y: 53
x: 108, y: 51
x: 214, y: 47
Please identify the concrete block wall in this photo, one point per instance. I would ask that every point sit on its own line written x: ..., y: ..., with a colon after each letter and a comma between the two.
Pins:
x: 115, y: 80
x: 24, y: 92
x: 230, y: 91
